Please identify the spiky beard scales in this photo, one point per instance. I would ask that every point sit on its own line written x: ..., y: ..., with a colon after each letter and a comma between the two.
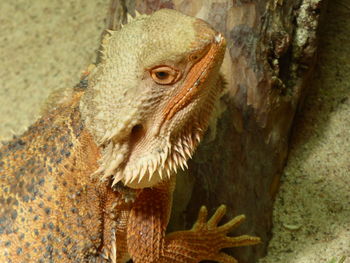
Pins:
x: 159, y: 157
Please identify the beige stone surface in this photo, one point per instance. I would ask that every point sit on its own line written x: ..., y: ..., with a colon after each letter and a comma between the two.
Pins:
x: 45, y: 45
x: 312, y: 210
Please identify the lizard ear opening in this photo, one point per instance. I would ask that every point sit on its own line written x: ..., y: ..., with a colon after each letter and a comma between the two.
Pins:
x: 137, y: 132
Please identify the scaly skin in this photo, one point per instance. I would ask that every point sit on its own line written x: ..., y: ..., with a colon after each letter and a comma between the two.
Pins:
x: 148, y: 220
x: 60, y: 193
x: 51, y: 209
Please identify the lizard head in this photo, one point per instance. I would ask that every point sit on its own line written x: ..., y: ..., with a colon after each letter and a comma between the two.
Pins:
x: 150, y: 99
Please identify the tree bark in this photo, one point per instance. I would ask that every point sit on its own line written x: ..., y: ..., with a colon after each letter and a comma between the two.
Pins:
x: 270, y: 55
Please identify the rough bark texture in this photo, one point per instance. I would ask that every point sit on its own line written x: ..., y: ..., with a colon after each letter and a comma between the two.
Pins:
x: 271, y: 50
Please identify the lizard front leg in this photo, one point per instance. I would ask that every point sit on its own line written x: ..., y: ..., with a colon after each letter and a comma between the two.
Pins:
x: 147, y: 241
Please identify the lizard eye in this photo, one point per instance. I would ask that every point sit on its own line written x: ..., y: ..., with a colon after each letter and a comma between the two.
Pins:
x: 165, y: 75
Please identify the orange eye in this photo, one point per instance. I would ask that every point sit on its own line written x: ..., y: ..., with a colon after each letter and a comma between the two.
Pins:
x: 165, y: 75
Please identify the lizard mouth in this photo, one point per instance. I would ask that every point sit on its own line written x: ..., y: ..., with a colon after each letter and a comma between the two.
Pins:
x: 151, y: 155
x: 173, y: 152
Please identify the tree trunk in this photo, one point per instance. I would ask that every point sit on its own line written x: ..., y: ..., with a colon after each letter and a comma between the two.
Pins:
x: 270, y: 54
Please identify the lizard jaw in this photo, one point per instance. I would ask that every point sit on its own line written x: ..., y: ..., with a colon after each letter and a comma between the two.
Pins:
x: 162, y: 154
x: 156, y: 150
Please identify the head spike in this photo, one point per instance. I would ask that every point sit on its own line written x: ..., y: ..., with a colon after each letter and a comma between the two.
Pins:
x: 117, y: 178
x: 181, y: 150
x: 188, y: 152
x: 176, y: 159
x: 98, y: 171
x: 159, y: 159
x: 142, y: 172
x: 150, y: 173
x: 170, y: 164
x: 105, y: 177
x: 154, y: 164
x: 198, y: 137
x: 151, y: 169
x: 111, y: 167
x: 185, y: 143
x: 135, y: 173
x: 107, y: 135
x: 129, y: 18
x: 127, y: 178
x: 168, y: 173
x: 190, y: 141
x: 176, y: 148
x: 185, y: 164
x: 182, y: 166
x: 163, y: 161
x: 160, y: 172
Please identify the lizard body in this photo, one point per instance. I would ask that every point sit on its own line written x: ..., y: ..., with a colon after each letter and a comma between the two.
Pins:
x: 141, y: 116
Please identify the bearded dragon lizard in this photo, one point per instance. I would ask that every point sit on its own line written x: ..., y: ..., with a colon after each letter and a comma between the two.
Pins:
x: 136, y: 117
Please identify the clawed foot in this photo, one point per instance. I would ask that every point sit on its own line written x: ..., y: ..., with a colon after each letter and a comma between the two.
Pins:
x: 216, y: 236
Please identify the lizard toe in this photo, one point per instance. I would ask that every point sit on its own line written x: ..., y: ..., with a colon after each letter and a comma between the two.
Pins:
x: 233, y: 223
x: 240, y: 241
x: 201, y: 219
x: 218, y: 215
